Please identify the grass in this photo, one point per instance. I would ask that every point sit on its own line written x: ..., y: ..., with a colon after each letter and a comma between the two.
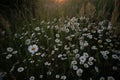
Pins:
x: 62, y: 48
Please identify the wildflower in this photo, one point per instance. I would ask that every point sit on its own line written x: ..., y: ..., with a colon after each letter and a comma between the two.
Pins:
x: 105, y: 56
x: 2, y: 75
x: 60, y: 55
x: 32, y: 35
x: 114, y: 56
x: 93, y: 31
x: 49, y: 73
x: 103, y: 53
x: 16, y: 35
x: 8, y: 56
x: 82, y: 18
x: 74, y: 19
x: 42, y: 22
x: 109, y: 25
x: 3, y: 32
x: 66, y: 47
x: 64, y: 55
x: 46, y: 63
x: 91, y: 79
x: 91, y: 59
x: 55, y: 48
x: 53, y: 59
x: 108, y: 40
x: 48, y: 27
x: 37, y: 54
x: 32, y: 61
x: 82, y: 59
x: 75, y: 67
x: 55, y: 19
x: 33, y: 48
x: 93, y: 47
x: 90, y: 63
x: 37, y: 29
x: 39, y: 33
x: 114, y: 68
x: 110, y: 78
x: 67, y: 30
x: 57, y: 76
x: 102, y: 78
x: 85, y: 54
x: 100, y: 41
x: 32, y: 78
x: 63, y: 77
x: 90, y: 36
x: 57, y: 40
x: 74, y: 62
x: 9, y: 49
x: 56, y: 27
x: 77, y: 55
x: 41, y: 76
x: 86, y: 44
x: 100, y: 23
x: 28, y: 41
x: 52, y: 52
x: 20, y: 69
x: 81, y: 63
x: 48, y: 22
x: 107, y: 52
x: 96, y: 69
x: 75, y: 51
x: 72, y: 35
x: 84, y: 34
x: 81, y: 47
x: 59, y: 44
x: 42, y: 55
x: 14, y: 52
x: 81, y: 42
x: 79, y: 72
x: 57, y: 35
x: 86, y: 65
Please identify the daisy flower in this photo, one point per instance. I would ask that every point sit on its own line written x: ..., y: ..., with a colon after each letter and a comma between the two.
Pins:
x: 75, y: 67
x: 63, y: 77
x: 33, y: 48
x: 74, y: 62
x: 28, y: 41
x: 79, y: 72
x: 37, y: 29
x: 102, y: 78
x: 86, y: 65
x: 8, y: 56
x: 32, y: 78
x: 41, y: 76
x: 9, y: 49
x: 82, y: 59
x: 14, y: 52
x: 20, y: 69
x: 110, y: 78
x: 57, y: 76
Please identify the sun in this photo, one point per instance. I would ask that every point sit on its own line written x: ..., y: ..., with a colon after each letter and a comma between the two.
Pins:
x: 60, y: 1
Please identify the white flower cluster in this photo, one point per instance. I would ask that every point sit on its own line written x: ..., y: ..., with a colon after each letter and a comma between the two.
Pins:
x: 63, y: 49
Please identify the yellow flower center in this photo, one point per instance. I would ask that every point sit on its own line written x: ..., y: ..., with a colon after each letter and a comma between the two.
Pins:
x: 33, y: 48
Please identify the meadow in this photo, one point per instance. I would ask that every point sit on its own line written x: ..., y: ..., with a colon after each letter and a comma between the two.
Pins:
x: 76, y: 48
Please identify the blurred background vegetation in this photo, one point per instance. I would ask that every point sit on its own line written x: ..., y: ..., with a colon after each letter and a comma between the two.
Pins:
x: 12, y: 11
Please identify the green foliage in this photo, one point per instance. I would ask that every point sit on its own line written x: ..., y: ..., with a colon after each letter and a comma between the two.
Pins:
x: 104, y: 8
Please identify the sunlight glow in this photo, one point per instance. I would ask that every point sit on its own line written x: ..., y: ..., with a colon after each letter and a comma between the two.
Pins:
x: 60, y: 1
